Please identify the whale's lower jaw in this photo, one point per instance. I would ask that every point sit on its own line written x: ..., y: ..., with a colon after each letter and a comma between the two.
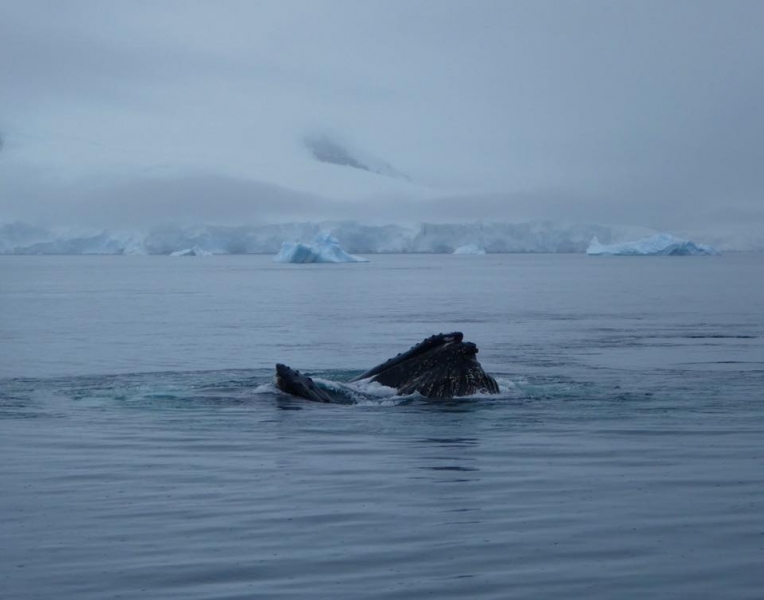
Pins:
x: 446, y: 371
x: 443, y: 383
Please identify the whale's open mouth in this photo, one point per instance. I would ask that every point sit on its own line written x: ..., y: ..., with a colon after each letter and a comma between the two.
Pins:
x: 441, y: 366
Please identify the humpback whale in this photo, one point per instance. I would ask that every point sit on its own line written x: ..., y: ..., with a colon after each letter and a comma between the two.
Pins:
x: 439, y: 367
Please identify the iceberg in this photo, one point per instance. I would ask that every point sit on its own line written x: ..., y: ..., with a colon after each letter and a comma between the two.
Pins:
x: 662, y: 244
x: 470, y: 249
x: 193, y: 251
x: 325, y: 249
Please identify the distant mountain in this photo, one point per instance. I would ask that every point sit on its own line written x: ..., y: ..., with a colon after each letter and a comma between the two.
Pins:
x: 328, y: 150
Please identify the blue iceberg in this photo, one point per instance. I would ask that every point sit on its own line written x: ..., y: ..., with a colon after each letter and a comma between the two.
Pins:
x: 325, y: 249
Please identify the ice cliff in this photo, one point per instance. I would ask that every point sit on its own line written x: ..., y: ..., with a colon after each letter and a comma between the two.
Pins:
x: 662, y: 244
x: 325, y: 249
x: 353, y: 237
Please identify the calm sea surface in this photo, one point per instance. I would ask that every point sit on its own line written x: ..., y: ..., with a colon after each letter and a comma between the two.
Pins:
x: 146, y: 453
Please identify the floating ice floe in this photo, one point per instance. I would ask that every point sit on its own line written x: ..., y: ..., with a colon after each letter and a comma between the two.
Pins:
x: 470, y: 249
x: 662, y: 244
x: 194, y: 251
x: 325, y: 249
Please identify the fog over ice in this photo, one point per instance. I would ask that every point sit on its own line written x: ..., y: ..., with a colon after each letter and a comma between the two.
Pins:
x: 128, y: 114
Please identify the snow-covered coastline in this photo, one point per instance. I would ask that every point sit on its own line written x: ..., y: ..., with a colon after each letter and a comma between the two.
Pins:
x: 353, y: 237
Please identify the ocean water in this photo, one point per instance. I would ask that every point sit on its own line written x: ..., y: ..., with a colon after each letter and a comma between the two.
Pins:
x: 147, y: 454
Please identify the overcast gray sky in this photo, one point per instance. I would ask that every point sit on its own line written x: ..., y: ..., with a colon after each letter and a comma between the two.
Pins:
x: 636, y: 112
